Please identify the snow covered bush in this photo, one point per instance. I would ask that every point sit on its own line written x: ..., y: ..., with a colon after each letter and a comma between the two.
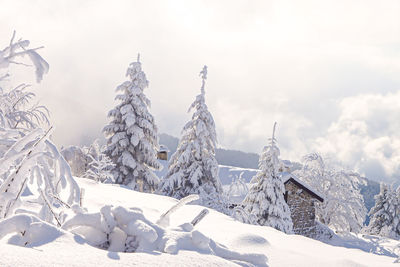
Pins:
x: 27, y: 230
x: 15, y: 111
x: 127, y: 230
x: 265, y: 200
x: 77, y: 159
x: 385, y: 215
x: 132, y: 134
x: 193, y: 168
x: 30, y: 163
x: 343, y: 208
x: 237, y: 189
x: 34, y: 163
x: 99, y: 164
x: 89, y: 162
x: 115, y: 229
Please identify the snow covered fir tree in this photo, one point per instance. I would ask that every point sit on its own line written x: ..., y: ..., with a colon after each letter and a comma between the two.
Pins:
x: 132, y: 134
x: 265, y: 201
x: 385, y: 215
x: 193, y: 168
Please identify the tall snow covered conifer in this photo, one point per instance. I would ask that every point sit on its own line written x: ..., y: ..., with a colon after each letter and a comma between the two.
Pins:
x: 193, y: 168
x: 385, y: 217
x: 132, y: 134
x: 265, y: 201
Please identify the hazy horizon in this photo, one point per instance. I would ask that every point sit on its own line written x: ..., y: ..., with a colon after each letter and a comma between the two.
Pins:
x: 327, y: 72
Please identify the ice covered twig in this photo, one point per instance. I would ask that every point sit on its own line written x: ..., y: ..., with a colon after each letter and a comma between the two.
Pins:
x: 16, y: 181
x: 199, y: 217
x: 164, y: 218
x: 20, y: 49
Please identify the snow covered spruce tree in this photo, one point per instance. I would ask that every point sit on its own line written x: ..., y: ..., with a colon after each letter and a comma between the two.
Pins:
x: 265, y: 200
x: 193, y: 168
x: 132, y: 134
x: 385, y: 214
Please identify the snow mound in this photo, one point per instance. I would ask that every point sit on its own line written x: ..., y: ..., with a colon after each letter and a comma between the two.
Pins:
x: 217, y: 240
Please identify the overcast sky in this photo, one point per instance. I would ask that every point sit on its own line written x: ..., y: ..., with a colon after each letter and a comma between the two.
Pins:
x: 327, y: 71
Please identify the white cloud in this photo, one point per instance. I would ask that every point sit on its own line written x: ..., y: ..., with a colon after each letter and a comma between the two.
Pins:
x: 366, y: 135
x: 285, y: 61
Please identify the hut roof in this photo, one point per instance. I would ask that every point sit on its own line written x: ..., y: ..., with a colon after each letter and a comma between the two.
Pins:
x: 292, y: 178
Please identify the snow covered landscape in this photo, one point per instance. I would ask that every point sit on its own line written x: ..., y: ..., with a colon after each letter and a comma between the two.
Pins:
x: 63, y: 248
x: 124, y: 192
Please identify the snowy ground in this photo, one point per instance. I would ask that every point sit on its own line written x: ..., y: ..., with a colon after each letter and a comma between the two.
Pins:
x: 65, y: 249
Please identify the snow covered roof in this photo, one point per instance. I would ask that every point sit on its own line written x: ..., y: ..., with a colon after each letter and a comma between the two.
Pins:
x: 164, y: 148
x: 286, y: 176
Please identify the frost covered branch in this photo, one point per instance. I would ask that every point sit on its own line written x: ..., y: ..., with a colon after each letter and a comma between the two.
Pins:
x: 20, y: 49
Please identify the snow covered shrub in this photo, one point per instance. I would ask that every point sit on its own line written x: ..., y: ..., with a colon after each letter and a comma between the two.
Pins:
x: 115, y: 229
x: 237, y: 189
x: 127, y: 230
x: 77, y: 159
x: 99, y: 164
x: 17, y: 112
x: 14, y: 109
x: 385, y: 215
x: 265, y: 200
x: 34, y: 162
x: 193, y: 168
x: 30, y: 163
x: 343, y: 208
x: 89, y: 162
x: 132, y: 134
x: 323, y: 233
x: 27, y: 230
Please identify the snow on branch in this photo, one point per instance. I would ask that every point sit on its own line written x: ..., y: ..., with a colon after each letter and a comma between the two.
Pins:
x: 33, y: 161
x: 164, y: 218
x: 17, y: 49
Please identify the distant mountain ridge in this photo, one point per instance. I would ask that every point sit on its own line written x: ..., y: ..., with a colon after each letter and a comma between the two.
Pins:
x: 224, y: 156
x: 239, y: 159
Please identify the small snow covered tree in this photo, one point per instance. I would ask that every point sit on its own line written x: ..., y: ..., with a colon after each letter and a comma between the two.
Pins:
x: 385, y: 214
x: 343, y: 208
x: 77, y: 159
x: 237, y: 189
x: 193, y: 168
x: 265, y: 200
x: 99, y: 164
x: 132, y: 134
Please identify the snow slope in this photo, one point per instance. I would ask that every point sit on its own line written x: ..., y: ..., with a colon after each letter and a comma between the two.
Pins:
x: 66, y: 249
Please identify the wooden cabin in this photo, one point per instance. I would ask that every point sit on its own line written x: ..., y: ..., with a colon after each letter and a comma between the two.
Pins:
x: 301, y: 201
x: 162, y: 154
